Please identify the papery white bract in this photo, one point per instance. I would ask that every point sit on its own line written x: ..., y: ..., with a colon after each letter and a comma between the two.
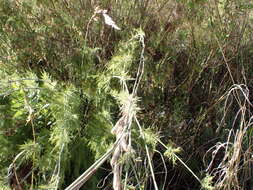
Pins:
x: 109, y: 21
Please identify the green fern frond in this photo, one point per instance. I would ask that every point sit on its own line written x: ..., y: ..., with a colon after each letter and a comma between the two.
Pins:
x: 206, y: 183
x: 121, y: 64
x: 48, y: 83
x: 150, y: 138
x: 171, y: 153
x: 66, y: 114
x: 4, y: 187
x: 98, y: 135
x: 31, y: 149
x: 127, y: 103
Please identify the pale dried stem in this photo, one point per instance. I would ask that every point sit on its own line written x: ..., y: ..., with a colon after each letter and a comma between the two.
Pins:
x: 228, y: 169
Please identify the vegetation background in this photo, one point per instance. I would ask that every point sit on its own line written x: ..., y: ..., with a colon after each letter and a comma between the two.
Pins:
x: 66, y: 77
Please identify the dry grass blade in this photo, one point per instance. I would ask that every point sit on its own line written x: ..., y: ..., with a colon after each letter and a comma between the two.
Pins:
x: 92, y: 169
x: 227, y: 170
x: 122, y: 147
x: 148, y: 155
